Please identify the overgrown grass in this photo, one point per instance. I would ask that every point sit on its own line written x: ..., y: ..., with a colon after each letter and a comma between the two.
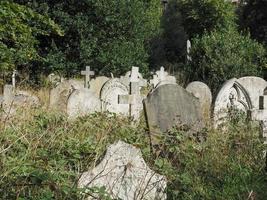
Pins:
x: 43, y: 155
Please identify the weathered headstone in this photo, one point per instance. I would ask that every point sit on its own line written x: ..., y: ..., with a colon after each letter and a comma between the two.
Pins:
x: 97, y: 84
x: 55, y: 79
x: 239, y: 95
x: 14, y: 78
x: 109, y: 97
x: 87, y: 73
x: 134, y: 99
x: 12, y: 101
x: 169, y: 105
x: 125, y: 175
x: 161, y: 77
x: 82, y: 102
x: 203, y: 93
x: 59, y: 95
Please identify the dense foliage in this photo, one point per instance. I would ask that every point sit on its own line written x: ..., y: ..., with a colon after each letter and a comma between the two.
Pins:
x: 43, y: 154
x: 110, y: 36
x: 254, y: 18
x: 19, y: 28
x: 224, y: 54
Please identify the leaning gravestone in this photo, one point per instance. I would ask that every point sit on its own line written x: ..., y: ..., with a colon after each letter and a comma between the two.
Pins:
x: 109, y: 97
x: 125, y: 175
x: 59, y: 95
x: 97, y: 84
x: 169, y: 105
x: 82, y: 102
x: 239, y: 95
x: 203, y: 93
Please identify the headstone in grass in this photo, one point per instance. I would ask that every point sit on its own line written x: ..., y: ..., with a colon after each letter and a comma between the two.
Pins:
x: 109, y: 97
x: 82, y: 102
x: 60, y: 94
x: 201, y: 91
x: 124, y: 175
x: 236, y: 98
x: 170, y: 105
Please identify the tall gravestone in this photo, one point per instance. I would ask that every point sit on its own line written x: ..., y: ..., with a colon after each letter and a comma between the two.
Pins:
x: 169, y: 105
x: 125, y: 175
x: 203, y: 93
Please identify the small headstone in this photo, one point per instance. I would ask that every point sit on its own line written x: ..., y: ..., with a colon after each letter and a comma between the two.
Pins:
x: 203, y: 93
x: 55, y: 79
x: 82, y: 102
x: 87, y: 73
x: 125, y: 175
x: 14, y: 78
x: 162, y: 77
x: 12, y: 101
x: 169, y: 105
x: 59, y: 95
x: 109, y: 97
x: 97, y: 84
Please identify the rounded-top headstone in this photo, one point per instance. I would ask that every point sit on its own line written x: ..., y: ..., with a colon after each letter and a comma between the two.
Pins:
x: 109, y: 96
x: 203, y: 93
x: 60, y: 94
x: 82, y: 102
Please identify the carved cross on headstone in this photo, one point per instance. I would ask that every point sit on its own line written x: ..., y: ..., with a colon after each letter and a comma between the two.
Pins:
x: 261, y: 115
x: 134, y: 99
x: 87, y: 73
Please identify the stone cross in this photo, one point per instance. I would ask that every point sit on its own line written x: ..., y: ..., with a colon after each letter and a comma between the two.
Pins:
x: 87, y: 73
x: 261, y: 115
x: 14, y: 78
x: 134, y: 98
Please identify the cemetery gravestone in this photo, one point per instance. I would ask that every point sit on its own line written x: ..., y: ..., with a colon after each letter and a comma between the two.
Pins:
x: 125, y: 175
x: 168, y: 105
x: 134, y: 99
x: 109, y: 96
x: 126, y: 79
x: 82, y: 102
x: 87, y: 73
x: 97, y: 84
x: 59, y: 95
x: 239, y: 95
x: 203, y: 93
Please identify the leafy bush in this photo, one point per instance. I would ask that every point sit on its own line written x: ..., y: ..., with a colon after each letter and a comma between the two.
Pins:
x: 43, y: 154
x: 224, y: 54
x: 19, y: 28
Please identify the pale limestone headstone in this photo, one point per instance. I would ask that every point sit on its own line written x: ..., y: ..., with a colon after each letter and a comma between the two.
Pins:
x: 125, y: 175
x: 201, y: 91
x: 170, y: 105
x: 14, y: 78
x: 134, y: 99
x: 237, y: 94
x: 82, y: 102
x: 109, y: 97
x: 97, y: 84
x: 55, y: 79
x: 162, y: 77
x: 87, y: 73
x: 60, y: 94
